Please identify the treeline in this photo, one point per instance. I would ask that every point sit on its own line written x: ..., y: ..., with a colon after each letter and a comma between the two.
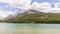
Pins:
x: 36, y: 18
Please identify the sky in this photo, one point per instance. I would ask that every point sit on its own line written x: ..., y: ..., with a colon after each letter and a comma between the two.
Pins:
x: 52, y: 2
x: 8, y: 7
x: 5, y: 4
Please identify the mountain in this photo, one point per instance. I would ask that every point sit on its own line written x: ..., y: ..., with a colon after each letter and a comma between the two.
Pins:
x: 36, y: 18
x: 33, y: 16
x: 22, y: 13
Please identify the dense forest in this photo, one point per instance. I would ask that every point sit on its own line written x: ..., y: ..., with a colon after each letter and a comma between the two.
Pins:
x: 36, y: 18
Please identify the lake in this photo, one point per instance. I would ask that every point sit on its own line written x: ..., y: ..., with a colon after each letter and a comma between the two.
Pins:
x: 13, y: 28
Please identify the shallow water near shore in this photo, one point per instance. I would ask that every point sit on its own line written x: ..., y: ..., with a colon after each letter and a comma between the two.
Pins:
x: 14, y: 28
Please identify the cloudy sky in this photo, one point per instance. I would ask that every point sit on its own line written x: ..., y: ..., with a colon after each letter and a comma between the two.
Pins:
x: 52, y: 2
x: 8, y: 7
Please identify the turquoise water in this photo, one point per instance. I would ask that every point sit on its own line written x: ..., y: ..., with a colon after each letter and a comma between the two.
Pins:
x: 13, y: 28
x: 30, y: 26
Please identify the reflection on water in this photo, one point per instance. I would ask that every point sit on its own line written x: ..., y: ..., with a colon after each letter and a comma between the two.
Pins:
x: 10, y: 28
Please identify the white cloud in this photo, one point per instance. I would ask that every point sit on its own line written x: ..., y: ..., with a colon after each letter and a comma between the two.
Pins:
x: 57, y: 5
x: 23, y: 4
x: 55, y: 10
x: 41, y: 5
x: 17, y: 2
x: 4, y: 14
x: 44, y: 7
x: 11, y: 2
x: 35, y: 5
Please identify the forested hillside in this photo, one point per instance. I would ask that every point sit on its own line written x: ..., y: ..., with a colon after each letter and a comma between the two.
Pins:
x: 36, y: 18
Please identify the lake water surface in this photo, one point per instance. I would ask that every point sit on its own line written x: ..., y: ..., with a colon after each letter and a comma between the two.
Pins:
x: 13, y: 28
